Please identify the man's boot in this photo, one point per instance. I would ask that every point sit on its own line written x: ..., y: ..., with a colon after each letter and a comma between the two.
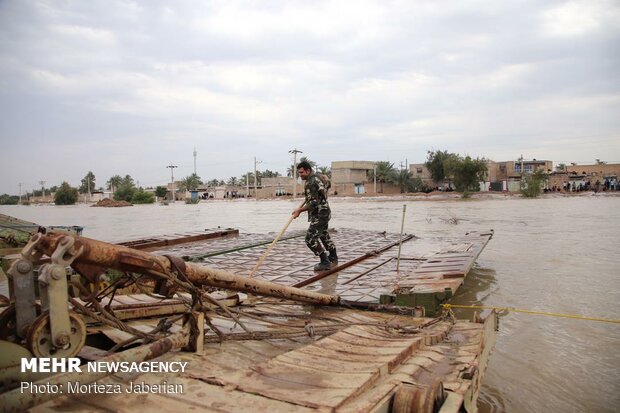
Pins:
x: 333, y: 257
x: 324, y: 265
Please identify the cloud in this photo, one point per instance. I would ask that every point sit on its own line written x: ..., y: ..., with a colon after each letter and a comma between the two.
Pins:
x: 576, y: 18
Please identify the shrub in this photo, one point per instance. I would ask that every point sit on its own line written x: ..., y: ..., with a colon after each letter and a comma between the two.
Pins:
x: 160, y: 191
x: 6, y: 199
x: 66, y: 195
x: 124, y: 193
x: 531, y: 185
x: 142, y: 197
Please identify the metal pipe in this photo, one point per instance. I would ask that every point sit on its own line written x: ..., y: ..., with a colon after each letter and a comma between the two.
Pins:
x: 16, y: 401
x: 104, y: 255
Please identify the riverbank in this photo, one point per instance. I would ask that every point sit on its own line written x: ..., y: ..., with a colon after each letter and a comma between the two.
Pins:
x: 417, y: 196
x: 557, y: 253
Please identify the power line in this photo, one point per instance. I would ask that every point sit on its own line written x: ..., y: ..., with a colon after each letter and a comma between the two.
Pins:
x: 171, y: 166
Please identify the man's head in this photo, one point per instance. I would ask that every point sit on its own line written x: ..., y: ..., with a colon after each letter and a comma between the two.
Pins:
x: 304, y: 169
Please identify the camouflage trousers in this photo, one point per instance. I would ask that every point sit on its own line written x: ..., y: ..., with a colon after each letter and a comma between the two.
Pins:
x: 317, y: 237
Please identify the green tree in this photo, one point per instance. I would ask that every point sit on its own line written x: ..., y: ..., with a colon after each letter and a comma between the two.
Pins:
x: 269, y: 174
x: 532, y: 184
x: 385, y: 173
x: 114, y: 183
x: 233, y: 181
x: 190, y: 183
x: 6, y: 199
x: 325, y: 170
x: 416, y: 185
x: 467, y: 173
x: 142, y: 197
x: 66, y: 195
x: 124, y: 193
x: 403, y: 179
x: 561, y: 167
x: 249, y: 176
x: 289, y: 171
x: 125, y: 190
x: 128, y: 181
x: 213, y: 182
x: 437, y: 163
x: 160, y: 191
x: 88, y: 183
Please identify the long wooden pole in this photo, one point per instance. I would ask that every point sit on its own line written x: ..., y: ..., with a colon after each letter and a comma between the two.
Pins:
x: 273, y: 243
x: 400, y: 243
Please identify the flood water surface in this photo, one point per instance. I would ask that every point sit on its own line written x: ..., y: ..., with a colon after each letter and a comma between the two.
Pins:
x: 557, y: 255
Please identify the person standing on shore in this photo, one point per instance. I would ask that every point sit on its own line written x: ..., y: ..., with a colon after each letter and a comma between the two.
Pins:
x: 319, y: 214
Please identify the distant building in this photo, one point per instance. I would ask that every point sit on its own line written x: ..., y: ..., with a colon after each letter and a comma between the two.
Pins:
x: 501, y: 176
x: 278, y: 186
x: 94, y: 196
x: 178, y: 194
x: 506, y: 175
x: 353, y: 177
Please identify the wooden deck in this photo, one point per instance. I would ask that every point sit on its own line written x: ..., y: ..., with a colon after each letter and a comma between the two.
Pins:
x: 367, y: 267
x: 305, y: 358
x: 357, y: 367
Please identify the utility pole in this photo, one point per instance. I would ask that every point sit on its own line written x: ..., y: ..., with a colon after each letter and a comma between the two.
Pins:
x: 247, y: 185
x: 171, y: 166
x: 195, y: 160
x: 20, y: 193
x: 256, y: 178
x: 375, y: 176
x: 294, y: 151
x: 42, y: 183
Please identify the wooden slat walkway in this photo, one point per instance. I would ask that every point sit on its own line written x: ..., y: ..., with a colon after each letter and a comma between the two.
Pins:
x: 355, y: 369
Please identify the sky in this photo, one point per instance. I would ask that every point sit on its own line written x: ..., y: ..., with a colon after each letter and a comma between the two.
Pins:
x: 124, y: 87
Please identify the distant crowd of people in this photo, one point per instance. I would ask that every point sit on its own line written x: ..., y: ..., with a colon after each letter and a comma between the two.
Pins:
x: 607, y: 185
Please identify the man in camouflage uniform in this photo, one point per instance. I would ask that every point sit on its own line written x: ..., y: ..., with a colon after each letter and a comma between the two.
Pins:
x: 319, y: 214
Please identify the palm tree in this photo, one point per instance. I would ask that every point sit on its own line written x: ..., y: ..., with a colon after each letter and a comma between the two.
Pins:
x: 268, y: 174
x: 114, y: 182
x: 190, y: 183
x: 325, y: 170
x: 233, y: 181
x: 385, y: 173
x: 127, y: 181
x: 289, y: 171
x: 247, y: 178
x: 403, y: 179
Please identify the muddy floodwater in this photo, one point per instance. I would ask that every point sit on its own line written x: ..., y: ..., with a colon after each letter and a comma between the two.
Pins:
x: 559, y: 255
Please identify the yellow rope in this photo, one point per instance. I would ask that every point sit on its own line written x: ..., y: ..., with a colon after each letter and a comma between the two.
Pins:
x: 516, y: 310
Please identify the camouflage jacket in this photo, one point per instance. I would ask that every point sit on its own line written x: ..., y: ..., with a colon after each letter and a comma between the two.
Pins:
x: 315, y: 191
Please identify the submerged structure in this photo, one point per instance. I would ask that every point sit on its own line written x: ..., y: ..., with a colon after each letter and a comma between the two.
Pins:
x: 368, y: 335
